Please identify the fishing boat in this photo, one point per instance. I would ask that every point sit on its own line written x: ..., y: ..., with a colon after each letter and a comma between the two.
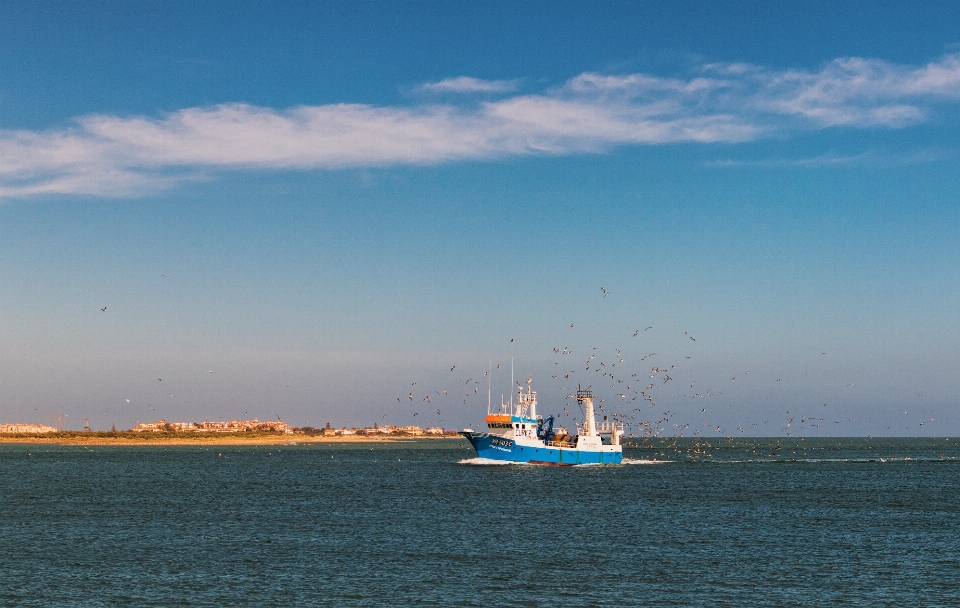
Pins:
x: 516, y: 434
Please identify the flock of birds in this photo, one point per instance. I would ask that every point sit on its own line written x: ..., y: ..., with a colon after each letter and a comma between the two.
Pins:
x: 635, y: 395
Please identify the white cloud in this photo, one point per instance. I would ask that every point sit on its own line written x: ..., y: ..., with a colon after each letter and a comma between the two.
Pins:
x: 122, y: 156
x: 466, y: 84
x: 860, y: 92
x: 874, y: 158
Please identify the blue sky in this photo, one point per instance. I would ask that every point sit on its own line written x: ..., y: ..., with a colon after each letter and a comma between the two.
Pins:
x: 303, y: 210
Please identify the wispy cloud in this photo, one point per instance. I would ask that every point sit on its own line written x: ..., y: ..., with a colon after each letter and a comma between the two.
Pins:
x: 875, y: 158
x: 466, y: 84
x: 825, y: 160
x: 725, y: 103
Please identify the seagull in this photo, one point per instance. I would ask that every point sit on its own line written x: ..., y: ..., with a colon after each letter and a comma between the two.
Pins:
x: 410, y: 396
x: 165, y: 275
x: 104, y: 309
x: 451, y: 367
x: 635, y: 333
x: 604, y: 291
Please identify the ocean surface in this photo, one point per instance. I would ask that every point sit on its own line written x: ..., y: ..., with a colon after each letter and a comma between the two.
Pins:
x: 839, y: 522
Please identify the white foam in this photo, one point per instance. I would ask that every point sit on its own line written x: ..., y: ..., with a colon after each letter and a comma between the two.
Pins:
x: 643, y: 461
x: 486, y: 461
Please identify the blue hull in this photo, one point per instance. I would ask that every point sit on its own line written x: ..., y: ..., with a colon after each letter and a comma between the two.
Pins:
x: 498, y: 448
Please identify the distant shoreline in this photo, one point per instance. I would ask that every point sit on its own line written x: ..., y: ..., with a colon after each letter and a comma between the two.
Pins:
x: 148, y: 439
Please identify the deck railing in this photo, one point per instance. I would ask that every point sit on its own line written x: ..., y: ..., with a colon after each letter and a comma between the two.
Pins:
x: 607, y: 426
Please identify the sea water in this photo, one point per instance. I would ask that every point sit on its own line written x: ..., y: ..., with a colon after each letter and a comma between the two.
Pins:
x: 847, y: 522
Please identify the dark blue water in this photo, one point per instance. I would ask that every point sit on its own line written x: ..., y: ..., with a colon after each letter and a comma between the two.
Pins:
x: 750, y: 523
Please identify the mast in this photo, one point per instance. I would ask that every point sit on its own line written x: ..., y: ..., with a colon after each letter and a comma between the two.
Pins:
x: 589, y: 424
x: 489, y: 369
x: 531, y: 399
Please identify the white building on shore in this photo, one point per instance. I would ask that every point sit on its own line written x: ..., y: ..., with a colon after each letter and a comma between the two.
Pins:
x: 219, y: 426
x: 26, y: 427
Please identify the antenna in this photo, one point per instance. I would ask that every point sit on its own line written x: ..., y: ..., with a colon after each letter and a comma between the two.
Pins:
x: 489, y: 370
x: 511, y: 386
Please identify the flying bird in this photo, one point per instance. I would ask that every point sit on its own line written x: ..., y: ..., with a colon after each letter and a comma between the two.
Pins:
x: 104, y: 309
x: 603, y: 289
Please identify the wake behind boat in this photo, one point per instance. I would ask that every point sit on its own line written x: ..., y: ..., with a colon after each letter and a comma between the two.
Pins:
x: 517, y: 434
